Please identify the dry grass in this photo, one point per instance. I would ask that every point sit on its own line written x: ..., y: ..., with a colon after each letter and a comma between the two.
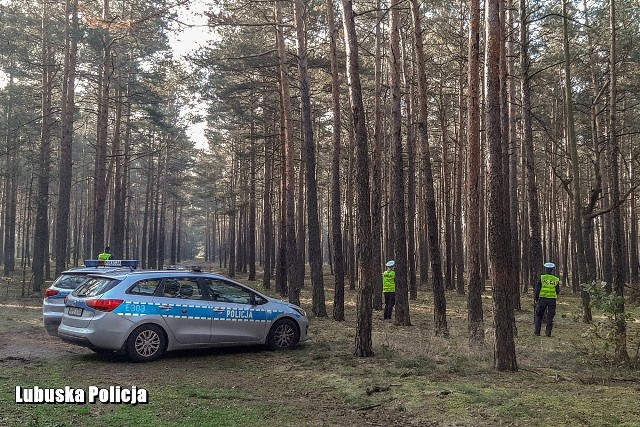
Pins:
x: 414, y: 378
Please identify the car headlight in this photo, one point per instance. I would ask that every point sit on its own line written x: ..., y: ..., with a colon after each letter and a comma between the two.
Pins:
x: 299, y: 310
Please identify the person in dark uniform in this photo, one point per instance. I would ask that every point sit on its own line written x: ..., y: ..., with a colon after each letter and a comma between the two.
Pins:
x: 389, y: 288
x: 545, y: 295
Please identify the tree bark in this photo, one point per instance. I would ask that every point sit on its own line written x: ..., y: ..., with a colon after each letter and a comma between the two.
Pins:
x: 575, y: 170
x: 504, y: 348
x: 398, y: 217
x: 119, y: 193
x: 535, y: 238
x: 363, y: 341
x: 309, y: 152
x: 475, y: 321
x: 513, y: 165
x: 251, y: 236
x: 267, y: 212
x: 10, y: 195
x: 100, y: 171
x: 376, y: 166
x: 336, y: 211
x: 439, y: 304
x: 293, y: 270
x: 65, y: 171
x: 619, y: 264
x: 41, y: 237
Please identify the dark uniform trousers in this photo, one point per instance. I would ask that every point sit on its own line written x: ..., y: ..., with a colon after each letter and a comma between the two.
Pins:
x: 389, y: 302
x: 545, y: 304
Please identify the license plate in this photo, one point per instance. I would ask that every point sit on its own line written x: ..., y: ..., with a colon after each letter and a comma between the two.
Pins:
x: 75, y: 311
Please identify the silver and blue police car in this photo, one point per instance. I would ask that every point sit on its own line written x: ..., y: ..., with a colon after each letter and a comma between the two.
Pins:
x: 144, y: 313
x: 53, y: 302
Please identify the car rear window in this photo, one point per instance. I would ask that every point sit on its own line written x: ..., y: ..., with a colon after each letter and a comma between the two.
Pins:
x: 69, y: 281
x: 95, y: 286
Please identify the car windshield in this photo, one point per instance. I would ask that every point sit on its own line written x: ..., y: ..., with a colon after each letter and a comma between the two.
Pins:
x: 95, y: 286
x: 69, y: 281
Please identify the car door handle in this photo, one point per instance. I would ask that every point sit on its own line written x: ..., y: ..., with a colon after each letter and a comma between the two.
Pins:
x: 219, y: 310
x: 166, y: 307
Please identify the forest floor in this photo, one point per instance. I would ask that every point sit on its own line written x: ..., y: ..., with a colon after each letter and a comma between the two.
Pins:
x: 414, y: 378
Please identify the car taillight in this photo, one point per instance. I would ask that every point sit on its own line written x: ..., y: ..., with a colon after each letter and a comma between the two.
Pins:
x: 50, y: 293
x: 104, y: 304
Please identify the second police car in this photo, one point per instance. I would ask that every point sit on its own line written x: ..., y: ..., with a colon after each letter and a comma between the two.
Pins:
x: 53, y: 301
x: 144, y: 313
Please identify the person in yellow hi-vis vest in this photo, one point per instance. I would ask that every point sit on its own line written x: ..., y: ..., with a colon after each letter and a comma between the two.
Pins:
x: 106, y: 254
x: 545, y: 294
x: 389, y: 288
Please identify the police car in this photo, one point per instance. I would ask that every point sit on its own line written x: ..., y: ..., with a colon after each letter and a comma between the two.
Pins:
x: 53, y: 302
x: 144, y: 313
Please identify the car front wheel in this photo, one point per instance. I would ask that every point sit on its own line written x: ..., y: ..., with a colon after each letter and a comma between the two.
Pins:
x: 146, y: 343
x: 284, y: 334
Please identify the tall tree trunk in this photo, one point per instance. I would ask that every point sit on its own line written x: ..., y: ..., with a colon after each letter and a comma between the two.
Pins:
x: 445, y: 188
x: 575, y: 169
x: 398, y: 214
x: 411, y: 171
x: 11, y: 182
x: 233, y: 214
x: 475, y: 321
x: 350, y: 233
x: 252, y: 206
x: 293, y: 270
x: 267, y: 212
x: 513, y: 165
x: 336, y: 211
x: 619, y: 264
x: 309, y: 153
x: 505, y: 146
x: 119, y: 193
x: 301, y: 236
x: 66, y: 142
x: 41, y: 238
x: 100, y: 182
x: 596, y: 189
x: 376, y: 166
x: 174, y: 232
x: 281, y: 261
x: 504, y: 348
x: 532, y: 190
x: 152, y: 255
x: 459, y: 245
x: 363, y: 342
x: 439, y: 300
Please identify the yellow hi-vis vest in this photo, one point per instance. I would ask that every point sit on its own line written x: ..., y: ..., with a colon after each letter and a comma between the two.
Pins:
x: 549, y: 283
x: 104, y: 256
x: 389, y: 281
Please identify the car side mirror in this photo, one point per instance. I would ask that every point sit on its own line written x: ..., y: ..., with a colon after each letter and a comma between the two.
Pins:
x: 257, y: 300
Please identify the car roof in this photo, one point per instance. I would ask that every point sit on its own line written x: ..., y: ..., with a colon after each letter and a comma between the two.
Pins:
x: 122, y: 274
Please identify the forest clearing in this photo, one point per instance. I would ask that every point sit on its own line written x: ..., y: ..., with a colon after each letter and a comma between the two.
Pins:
x: 414, y: 378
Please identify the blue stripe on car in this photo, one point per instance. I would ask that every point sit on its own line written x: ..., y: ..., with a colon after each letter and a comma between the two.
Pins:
x: 196, y: 312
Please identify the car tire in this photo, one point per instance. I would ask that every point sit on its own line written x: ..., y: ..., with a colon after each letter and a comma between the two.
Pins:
x: 283, y: 334
x: 146, y: 343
